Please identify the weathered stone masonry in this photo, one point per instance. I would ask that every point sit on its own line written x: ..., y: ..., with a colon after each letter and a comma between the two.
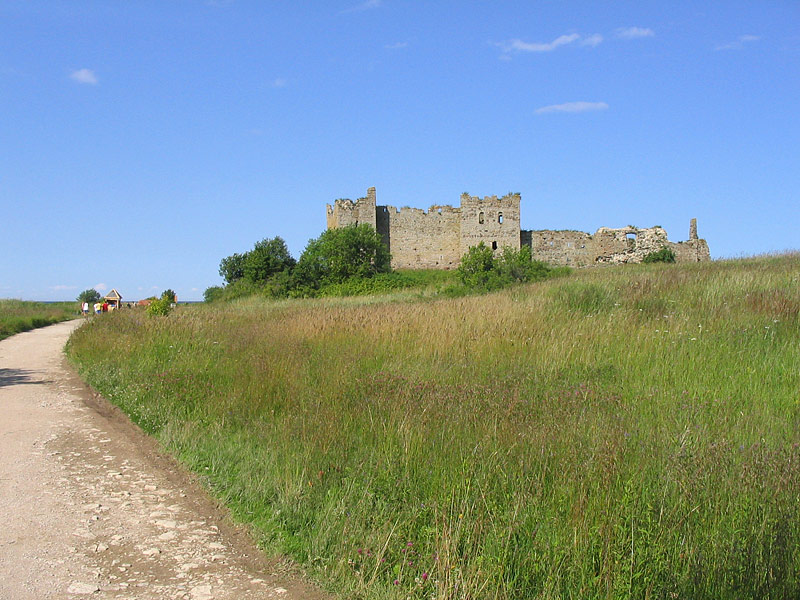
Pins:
x: 439, y: 237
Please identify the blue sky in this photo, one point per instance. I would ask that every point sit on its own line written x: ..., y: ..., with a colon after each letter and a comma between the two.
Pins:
x: 144, y: 141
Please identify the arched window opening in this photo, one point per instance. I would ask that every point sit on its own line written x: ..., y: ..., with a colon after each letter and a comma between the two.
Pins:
x: 500, y: 218
x: 480, y: 218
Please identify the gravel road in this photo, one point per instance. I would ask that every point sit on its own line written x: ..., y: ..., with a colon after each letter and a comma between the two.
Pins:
x: 89, y: 507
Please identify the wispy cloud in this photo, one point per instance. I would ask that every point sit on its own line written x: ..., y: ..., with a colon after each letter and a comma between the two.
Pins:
x: 739, y: 43
x: 84, y: 76
x: 100, y: 287
x: 366, y: 5
x: 517, y: 45
x: 572, y: 107
x: 61, y: 288
x: 279, y: 82
x: 632, y: 33
x: 592, y: 40
x: 396, y: 45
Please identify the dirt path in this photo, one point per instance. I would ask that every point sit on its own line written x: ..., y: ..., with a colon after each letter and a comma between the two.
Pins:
x: 90, y: 509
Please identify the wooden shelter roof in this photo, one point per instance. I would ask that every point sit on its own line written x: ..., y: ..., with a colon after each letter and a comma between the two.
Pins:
x: 113, y: 295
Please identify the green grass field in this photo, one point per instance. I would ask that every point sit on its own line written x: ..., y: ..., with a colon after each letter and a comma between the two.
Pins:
x: 18, y: 315
x: 626, y: 432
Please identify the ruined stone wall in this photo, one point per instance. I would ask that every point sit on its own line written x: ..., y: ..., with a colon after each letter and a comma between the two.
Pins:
x: 345, y: 212
x: 491, y: 220
x: 571, y: 248
x: 610, y: 246
x: 690, y: 251
x: 439, y: 237
x: 419, y: 239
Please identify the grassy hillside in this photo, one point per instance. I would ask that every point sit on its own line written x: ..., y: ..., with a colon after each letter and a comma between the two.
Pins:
x: 623, y: 432
x: 18, y: 315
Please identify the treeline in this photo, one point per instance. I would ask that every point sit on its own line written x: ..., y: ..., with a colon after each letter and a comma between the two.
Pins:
x: 354, y: 260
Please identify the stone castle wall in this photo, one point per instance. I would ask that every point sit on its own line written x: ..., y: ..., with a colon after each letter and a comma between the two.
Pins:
x: 492, y: 220
x: 419, y: 239
x: 439, y: 237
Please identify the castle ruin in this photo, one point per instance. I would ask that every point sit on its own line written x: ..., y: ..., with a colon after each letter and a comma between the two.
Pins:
x: 439, y: 237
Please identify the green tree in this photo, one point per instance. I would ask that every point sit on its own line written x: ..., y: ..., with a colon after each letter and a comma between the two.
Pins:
x: 168, y: 294
x: 267, y: 258
x: 231, y: 268
x: 340, y: 254
x: 91, y: 296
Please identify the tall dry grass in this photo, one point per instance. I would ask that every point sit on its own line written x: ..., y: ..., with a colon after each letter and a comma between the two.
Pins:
x: 625, y: 432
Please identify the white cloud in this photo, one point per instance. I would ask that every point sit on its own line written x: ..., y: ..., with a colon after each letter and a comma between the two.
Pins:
x: 279, y: 82
x: 60, y: 288
x: 592, y: 40
x: 366, y: 5
x: 84, y: 76
x: 518, y: 45
x: 100, y: 287
x: 572, y: 107
x: 739, y: 43
x: 396, y: 46
x: 632, y: 33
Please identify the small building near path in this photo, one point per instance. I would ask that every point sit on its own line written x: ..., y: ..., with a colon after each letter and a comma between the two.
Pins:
x: 114, y: 299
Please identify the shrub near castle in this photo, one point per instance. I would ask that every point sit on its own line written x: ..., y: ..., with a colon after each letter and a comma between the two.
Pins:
x: 480, y: 269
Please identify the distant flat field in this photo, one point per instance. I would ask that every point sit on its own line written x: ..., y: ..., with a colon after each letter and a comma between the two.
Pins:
x: 20, y: 315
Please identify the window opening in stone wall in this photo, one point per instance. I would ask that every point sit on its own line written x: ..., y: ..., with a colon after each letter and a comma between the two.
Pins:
x: 631, y: 239
x: 500, y: 218
x: 480, y: 218
x: 494, y: 245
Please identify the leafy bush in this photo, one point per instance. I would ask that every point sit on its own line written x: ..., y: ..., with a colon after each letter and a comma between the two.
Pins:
x: 240, y: 289
x: 277, y: 286
x: 519, y: 265
x: 214, y: 293
x: 665, y: 255
x: 480, y: 269
x: 160, y: 307
x: 383, y: 283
